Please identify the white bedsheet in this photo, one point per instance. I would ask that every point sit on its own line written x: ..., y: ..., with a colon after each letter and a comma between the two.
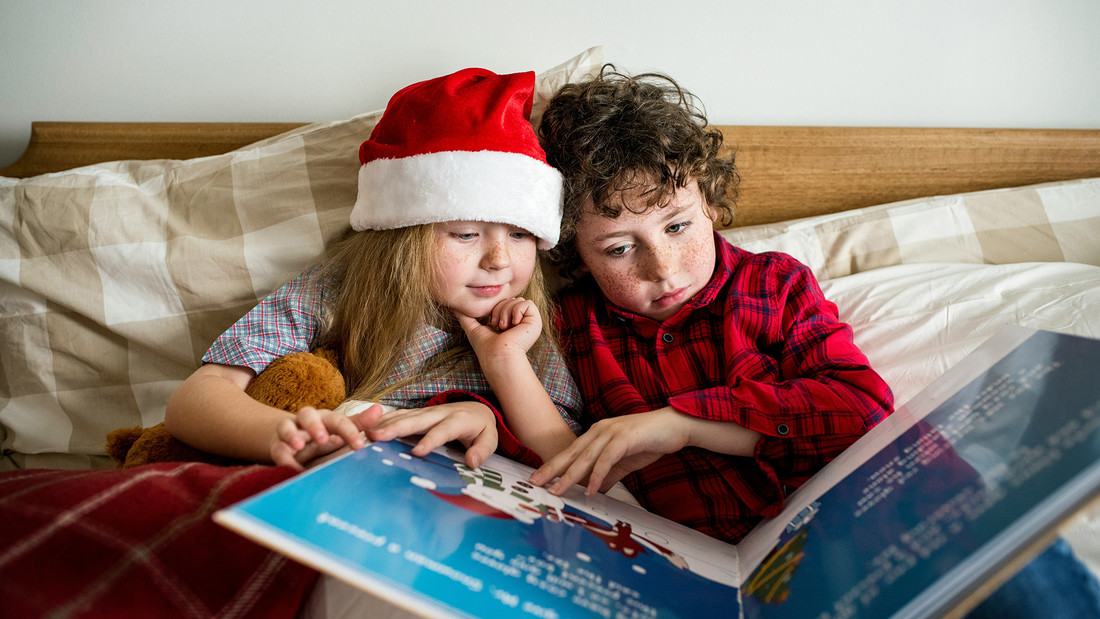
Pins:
x: 915, y: 321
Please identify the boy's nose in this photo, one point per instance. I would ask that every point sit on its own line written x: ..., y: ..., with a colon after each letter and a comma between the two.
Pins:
x: 658, y: 264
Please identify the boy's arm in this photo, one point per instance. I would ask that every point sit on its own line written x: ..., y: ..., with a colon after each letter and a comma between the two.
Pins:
x: 830, y: 398
x: 617, y: 446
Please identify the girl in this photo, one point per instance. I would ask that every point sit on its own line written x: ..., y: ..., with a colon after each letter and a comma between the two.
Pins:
x: 433, y: 304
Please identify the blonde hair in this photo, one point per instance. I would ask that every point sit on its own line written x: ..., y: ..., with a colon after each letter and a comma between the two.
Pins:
x: 384, y: 282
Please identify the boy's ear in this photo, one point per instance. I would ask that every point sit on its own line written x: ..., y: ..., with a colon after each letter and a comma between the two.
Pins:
x: 710, y: 211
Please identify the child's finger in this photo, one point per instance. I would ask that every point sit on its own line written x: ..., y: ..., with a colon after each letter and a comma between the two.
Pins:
x: 444, y: 430
x: 432, y: 439
x: 283, y: 455
x: 288, y: 432
x: 582, y: 466
x: 600, y: 470
x: 346, y: 431
x: 498, y: 317
x: 561, y: 467
x: 480, y: 449
x: 522, y: 311
x: 467, y: 323
x: 309, y: 419
x: 366, y: 419
x: 553, y: 467
x: 402, y: 423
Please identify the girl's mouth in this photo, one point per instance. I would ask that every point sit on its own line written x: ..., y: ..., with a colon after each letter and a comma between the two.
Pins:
x: 487, y: 291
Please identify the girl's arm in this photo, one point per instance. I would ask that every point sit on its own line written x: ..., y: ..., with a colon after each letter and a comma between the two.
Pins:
x: 211, y: 411
x: 501, y: 348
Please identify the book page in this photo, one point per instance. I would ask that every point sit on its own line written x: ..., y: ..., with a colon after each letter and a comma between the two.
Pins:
x: 982, y: 465
x: 755, y: 546
x: 441, y: 539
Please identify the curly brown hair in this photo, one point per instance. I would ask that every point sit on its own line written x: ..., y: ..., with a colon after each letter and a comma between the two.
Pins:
x: 617, y: 132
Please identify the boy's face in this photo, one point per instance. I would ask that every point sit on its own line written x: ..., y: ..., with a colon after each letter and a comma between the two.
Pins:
x: 650, y: 264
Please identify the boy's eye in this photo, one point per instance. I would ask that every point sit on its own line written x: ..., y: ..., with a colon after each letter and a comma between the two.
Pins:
x: 677, y: 227
x: 618, y: 251
x: 521, y: 234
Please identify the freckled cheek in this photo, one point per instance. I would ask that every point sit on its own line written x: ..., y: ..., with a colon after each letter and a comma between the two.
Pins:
x: 619, y: 285
x: 450, y: 266
x: 699, y: 254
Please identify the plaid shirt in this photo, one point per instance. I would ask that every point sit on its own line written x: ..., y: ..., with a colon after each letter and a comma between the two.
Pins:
x: 759, y: 346
x: 287, y: 321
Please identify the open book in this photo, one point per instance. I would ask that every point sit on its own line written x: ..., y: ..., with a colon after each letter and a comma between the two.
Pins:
x: 935, y: 506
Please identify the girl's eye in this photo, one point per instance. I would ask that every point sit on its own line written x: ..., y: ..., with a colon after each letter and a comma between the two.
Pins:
x: 464, y: 236
x: 678, y: 227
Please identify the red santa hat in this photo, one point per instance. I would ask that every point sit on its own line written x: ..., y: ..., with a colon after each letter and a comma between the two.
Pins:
x: 459, y: 147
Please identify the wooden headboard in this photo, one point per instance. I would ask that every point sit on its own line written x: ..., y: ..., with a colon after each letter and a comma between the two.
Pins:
x: 786, y: 172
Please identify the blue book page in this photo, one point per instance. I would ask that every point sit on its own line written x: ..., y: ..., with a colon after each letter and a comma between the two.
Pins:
x: 922, y: 522
x: 441, y: 539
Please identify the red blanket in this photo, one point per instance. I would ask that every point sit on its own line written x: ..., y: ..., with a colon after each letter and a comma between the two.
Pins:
x: 139, y: 543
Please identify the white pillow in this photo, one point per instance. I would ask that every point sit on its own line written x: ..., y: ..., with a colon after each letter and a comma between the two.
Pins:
x: 1051, y: 222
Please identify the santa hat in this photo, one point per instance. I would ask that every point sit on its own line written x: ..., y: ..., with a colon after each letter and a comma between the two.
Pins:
x: 459, y: 147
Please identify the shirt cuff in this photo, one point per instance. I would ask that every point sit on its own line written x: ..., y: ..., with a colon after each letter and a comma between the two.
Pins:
x: 507, y: 444
x: 719, y: 404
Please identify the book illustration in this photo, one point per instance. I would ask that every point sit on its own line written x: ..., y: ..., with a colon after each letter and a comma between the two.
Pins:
x: 499, y: 493
x: 518, y: 499
x: 770, y: 582
x: 484, y: 541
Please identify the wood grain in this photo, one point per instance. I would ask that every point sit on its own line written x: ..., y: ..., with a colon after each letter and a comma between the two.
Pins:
x: 790, y: 172
x: 56, y: 146
x: 786, y: 172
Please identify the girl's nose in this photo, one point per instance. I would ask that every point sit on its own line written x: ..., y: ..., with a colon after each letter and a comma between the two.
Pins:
x: 496, y: 256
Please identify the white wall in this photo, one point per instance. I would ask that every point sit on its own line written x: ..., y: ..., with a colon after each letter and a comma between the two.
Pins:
x: 1009, y: 63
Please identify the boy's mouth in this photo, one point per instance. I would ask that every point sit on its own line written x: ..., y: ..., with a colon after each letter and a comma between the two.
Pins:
x: 671, y: 297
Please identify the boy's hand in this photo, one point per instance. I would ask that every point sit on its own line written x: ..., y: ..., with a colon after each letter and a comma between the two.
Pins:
x: 513, y: 327
x: 318, y: 432
x: 471, y: 423
x: 614, y: 447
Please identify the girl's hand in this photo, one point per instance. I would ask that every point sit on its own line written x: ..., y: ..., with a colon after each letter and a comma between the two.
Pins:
x: 513, y: 328
x: 317, y: 432
x: 614, y: 447
x: 471, y: 423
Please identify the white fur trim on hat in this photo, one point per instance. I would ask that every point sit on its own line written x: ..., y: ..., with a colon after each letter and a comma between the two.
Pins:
x: 489, y: 186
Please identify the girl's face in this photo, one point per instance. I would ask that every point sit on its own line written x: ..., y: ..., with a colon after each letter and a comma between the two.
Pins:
x: 653, y: 263
x: 480, y: 264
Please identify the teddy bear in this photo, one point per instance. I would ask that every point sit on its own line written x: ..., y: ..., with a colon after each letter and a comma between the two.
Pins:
x: 289, y: 383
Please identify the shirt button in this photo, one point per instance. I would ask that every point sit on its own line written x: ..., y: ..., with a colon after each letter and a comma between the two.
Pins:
x: 782, y: 429
x: 667, y: 338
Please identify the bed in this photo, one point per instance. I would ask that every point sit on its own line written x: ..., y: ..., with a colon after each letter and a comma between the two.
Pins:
x: 125, y: 248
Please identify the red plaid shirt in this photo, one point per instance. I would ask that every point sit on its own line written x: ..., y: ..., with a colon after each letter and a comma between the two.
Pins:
x: 759, y: 346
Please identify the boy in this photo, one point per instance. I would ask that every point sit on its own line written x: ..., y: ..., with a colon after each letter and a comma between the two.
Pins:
x: 715, y: 380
